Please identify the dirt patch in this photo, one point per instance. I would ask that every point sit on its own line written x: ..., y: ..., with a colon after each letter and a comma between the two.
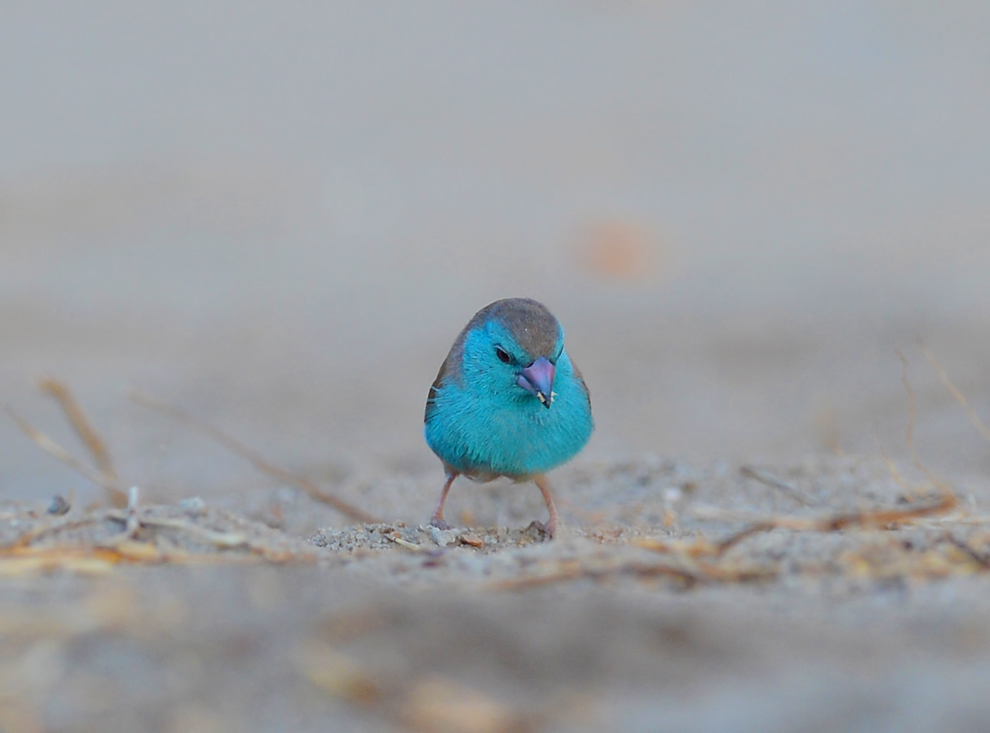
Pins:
x: 651, y: 601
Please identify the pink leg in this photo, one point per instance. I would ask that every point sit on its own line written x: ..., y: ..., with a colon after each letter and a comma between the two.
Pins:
x: 551, y: 526
x: 437, y: 519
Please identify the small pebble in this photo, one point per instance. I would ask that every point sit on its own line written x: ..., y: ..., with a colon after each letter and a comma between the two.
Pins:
x: 442, y: 537
x: 59, y: 505
x: 194, y: 505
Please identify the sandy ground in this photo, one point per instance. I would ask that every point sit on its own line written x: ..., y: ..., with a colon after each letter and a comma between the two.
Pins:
x: 656, y: 608
x: 277, y: 221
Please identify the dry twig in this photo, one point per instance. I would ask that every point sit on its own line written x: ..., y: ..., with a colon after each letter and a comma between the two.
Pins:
x: 909, y: 493
x: 114, y: 488
x: 973, y: 554
x: 252, y: 456
x: 839, y: 521
x: 127, y: 546
x: 768, y: 479
x: 80, y: 423
x: 686, y: 570
x: 954, y: 391
x: 905, y: 378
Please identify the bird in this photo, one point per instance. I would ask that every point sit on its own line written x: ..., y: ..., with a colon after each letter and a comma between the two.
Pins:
x: 507, y: 402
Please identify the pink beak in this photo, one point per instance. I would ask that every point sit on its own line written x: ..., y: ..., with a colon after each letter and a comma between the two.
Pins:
x: 537, y: 379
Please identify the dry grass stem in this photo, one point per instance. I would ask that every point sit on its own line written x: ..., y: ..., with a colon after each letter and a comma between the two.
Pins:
x: 954, y: 391
x: 96, y: 560
x: 411, y: 546
x: 843, y: 520
x: 685, y: 566
x: 977, y: 556
x: 80, y: 423
x: 768, y: 479
x: 909, y: 493
x: 220, y: 540
x: 145, y: 538
x: 568, y: 571
x: 42, y: 528
x: 912, y: 412
x: 31, y: 560
x: 115, y: 490
x: 252, y: 456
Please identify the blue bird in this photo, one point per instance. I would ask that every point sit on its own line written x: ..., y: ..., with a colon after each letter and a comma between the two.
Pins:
x: 508, y: 401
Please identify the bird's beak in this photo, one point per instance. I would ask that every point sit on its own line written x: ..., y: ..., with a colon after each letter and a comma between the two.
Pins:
x: 537, y: 379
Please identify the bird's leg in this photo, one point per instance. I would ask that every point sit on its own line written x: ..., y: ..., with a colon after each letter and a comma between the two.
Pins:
x: 437, y: 519
x: 551, y: 526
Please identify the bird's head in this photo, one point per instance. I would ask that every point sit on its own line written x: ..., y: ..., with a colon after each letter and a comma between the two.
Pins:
x: 511, y: 348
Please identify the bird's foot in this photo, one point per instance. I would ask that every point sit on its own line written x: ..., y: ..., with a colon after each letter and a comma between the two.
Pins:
x: 547, y: 528
x: 439, y: 523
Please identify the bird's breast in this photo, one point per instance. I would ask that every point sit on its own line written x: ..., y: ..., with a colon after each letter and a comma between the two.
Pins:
x: 488, y: 434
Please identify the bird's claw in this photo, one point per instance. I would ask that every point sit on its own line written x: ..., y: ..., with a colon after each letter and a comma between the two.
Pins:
x: 547, y: 528
x: 439, y: 524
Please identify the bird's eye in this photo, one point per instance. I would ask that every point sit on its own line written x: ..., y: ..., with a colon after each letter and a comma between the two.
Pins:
x: 503, y: 355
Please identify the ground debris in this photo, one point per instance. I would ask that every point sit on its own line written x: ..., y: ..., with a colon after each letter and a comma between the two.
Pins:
x: 252, y: 456
x: 928, y: 538
x: 96, y: 540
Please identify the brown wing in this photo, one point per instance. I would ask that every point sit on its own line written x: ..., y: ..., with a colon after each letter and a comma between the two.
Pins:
x: 431, y: 398
x: 577, y: 373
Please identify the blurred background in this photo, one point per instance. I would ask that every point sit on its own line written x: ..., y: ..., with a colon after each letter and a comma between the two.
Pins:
x: 279, y: 216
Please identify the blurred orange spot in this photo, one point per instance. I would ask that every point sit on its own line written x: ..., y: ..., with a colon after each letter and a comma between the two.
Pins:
x: 619, y: 250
